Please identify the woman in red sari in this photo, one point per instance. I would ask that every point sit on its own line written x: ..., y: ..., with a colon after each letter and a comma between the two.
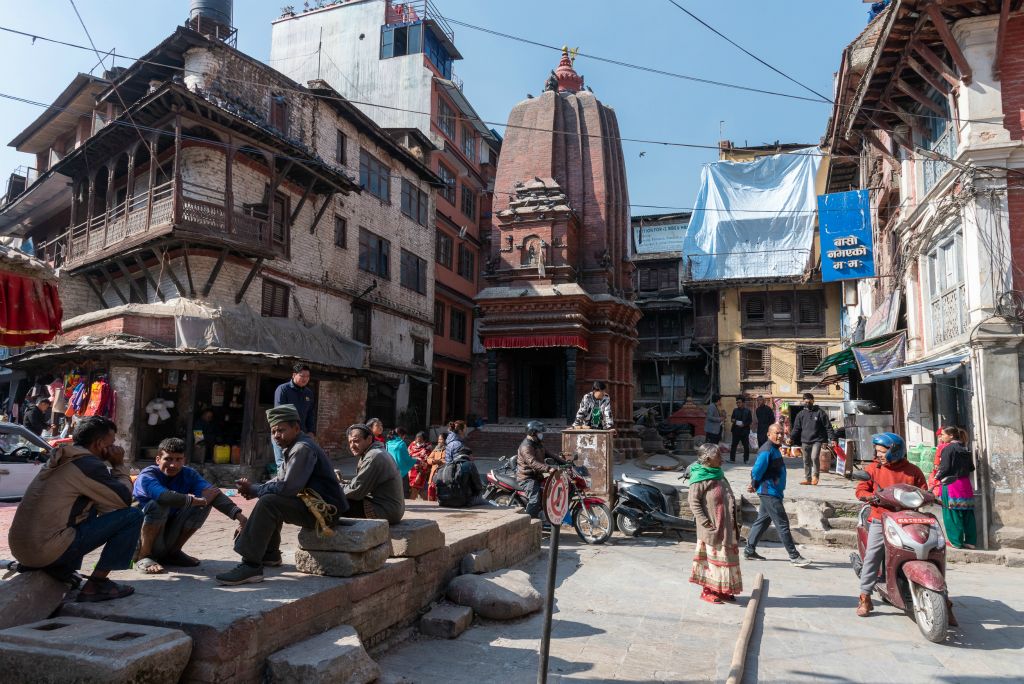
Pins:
x: 419, y: 449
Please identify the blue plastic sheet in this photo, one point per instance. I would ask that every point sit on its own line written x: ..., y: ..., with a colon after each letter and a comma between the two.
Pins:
x: 754, y: 220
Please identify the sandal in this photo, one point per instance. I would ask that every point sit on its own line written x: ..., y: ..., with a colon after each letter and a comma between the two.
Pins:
x: 148, y: 566
x: 710, y: 597
x: 106, y: 590
x: 180, y: 559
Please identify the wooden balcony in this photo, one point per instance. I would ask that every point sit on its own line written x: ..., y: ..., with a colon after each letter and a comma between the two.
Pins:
x: 189, y: 212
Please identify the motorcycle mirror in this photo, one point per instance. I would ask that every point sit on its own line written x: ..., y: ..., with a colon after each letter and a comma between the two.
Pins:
x: 861, y: 475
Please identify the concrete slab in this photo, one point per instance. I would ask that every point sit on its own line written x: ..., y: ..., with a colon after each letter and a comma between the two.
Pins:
x: 446, y: 621
x: 81, y: 650
x: 334, y: 657
x: 350, y: 536
x: 29, y: 597
x: 235, y: 629
x: 415, y: 537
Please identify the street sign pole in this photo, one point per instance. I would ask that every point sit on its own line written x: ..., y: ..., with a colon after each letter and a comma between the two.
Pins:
x: 556, y: 505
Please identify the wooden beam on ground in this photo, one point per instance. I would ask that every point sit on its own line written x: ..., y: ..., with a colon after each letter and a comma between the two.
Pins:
x: 933, y: 80
x: 949, y: 41
x: 320, y: 214
x: 215, y: 272
x: 149, y: 277
x: 248, y: 280
x: 928, y: 55
x: 1004, y: 18
x: 131, y: 281
x: 113, y: 285
x: 919, y: 97
x: 165, y: 263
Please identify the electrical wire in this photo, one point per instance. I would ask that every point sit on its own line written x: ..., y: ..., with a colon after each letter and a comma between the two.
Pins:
x: 748, y: 52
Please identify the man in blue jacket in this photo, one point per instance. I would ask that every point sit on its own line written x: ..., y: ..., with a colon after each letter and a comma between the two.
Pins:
x: 768, y: 480
x: 297, y: 393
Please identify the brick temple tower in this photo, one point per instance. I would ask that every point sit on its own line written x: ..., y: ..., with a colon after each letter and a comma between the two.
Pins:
x: 556, y: 312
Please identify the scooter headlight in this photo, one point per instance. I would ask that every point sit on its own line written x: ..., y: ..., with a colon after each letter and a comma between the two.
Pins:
x: 910, y: 498
x: 892, y: 533
x: 938, y: 533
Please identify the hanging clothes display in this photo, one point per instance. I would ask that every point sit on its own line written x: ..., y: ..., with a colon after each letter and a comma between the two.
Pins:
x: 101, y: 399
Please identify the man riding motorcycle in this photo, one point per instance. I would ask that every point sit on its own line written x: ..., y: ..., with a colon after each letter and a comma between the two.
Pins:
x: 889, y: 468
x: 531, y: 468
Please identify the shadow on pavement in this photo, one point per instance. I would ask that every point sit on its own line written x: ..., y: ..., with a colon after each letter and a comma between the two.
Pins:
x: 987, y: 625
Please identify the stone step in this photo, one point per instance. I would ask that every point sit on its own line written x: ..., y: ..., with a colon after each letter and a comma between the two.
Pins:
x: 842, y: 523
x: 337, y: 657
x: 446, y: 621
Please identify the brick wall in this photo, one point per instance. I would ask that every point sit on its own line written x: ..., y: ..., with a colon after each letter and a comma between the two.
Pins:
x: 1012, y: 86
x: 340, y: 404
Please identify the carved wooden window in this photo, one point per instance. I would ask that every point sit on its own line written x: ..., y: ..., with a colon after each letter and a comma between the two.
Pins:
x: 275, y: 299
x: 755, y: 363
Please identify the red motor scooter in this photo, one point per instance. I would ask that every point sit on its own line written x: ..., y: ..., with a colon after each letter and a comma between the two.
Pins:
x: 913, y: 574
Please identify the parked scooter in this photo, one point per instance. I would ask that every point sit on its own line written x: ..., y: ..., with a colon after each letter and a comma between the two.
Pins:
x: 647, y: 506
x: 589, y: 515
x: 913, y: 575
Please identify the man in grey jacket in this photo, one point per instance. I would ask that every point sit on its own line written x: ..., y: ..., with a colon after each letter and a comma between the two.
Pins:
x: 595, y: 409
x: 306, y: 466
x: 376, y: 491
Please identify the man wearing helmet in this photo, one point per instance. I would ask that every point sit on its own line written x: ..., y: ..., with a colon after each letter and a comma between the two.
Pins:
x: 531, y: 468
x: 889, y: 468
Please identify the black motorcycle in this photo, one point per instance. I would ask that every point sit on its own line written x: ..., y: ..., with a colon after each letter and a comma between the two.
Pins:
x: 647, y: 506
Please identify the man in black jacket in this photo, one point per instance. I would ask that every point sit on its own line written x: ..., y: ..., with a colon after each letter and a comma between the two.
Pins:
x: 35, y: 418
x: 306, y: 466
x: 811, y: 429
x: 531, y: 468
x: 741, y: 420
x: 765, y: 416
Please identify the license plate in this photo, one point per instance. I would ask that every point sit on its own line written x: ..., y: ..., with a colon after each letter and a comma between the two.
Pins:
x: 914, y: 521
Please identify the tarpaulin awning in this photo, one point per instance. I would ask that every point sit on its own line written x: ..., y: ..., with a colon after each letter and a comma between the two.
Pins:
x: 915, y: 368
x: 844, y: 360
x: 754, y: 220
x: 535, y: 341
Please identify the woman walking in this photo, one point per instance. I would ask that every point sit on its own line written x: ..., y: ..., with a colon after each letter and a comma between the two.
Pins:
x: 716, y: 561
x: 954, y: 475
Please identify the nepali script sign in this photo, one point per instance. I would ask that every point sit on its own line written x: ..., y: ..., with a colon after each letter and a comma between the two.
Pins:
x: 844, y: 224
x: 654, y: 239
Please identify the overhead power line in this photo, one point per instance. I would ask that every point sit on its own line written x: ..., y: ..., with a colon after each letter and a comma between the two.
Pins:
x: 748, y: 52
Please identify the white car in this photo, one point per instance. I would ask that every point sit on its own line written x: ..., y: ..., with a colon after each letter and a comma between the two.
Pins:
x: 22, y: 455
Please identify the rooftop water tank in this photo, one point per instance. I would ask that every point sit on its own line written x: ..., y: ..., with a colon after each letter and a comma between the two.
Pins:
x: 213, y: 11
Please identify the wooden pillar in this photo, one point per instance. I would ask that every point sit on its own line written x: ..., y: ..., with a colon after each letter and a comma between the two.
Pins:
x: 492, y: 386
x: 177, y: 169
x: 270, y: 198
x: 106, y: 212
x: 152, y: 145
x: 129, y: 191
x: 251, y: 404
x: 570, y: 384
x: 229, y: 193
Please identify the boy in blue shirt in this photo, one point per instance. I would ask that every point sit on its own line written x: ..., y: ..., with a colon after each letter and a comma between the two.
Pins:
x: 176, y: 501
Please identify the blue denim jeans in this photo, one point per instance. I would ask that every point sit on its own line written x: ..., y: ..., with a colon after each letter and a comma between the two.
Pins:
x: 771, y: 511
x: 278, y: 456
x: 534, y: 491
x: 175, y: 522
x: 117, y: 532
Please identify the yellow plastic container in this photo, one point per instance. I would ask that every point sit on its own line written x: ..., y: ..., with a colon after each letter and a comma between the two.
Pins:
x: 222, y: 453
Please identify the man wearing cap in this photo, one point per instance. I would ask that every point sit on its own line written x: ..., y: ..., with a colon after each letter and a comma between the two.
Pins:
x: 376, y: 491
x: 306, y: 466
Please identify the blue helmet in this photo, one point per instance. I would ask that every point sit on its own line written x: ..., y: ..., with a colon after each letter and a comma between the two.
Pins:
x: 894, y: 443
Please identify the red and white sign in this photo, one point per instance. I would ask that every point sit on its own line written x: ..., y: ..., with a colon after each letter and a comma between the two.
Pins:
x: 914, y: 521
x: 556, y: 496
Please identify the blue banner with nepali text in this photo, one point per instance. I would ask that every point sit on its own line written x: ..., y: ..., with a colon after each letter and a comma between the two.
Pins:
x: 847, y: 245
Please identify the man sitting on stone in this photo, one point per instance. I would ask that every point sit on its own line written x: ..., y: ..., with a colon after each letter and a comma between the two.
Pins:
x: 307, y: 472
x: 80, y: 501
x: 176, y: 501
x: 376, y: 491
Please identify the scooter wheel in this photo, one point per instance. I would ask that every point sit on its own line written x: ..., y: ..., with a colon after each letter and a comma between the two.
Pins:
x: 626, y: 525
x: 931, y: 614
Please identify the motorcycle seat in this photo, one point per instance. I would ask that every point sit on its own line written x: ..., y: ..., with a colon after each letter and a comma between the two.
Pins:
x: 663, y: 488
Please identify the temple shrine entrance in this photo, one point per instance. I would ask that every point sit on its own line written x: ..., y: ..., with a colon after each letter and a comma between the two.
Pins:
x: 538, y: 383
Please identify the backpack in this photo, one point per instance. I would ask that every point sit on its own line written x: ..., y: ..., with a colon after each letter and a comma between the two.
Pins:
x: 451, y: 490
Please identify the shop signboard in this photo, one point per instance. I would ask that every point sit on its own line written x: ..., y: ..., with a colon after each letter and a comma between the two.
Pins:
x: 844, y: 224
x: 659, y: 238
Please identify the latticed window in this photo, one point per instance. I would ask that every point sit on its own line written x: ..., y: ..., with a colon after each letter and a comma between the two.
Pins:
x: 807, y: 359
x: 947, y: 291
x: 755, y: 362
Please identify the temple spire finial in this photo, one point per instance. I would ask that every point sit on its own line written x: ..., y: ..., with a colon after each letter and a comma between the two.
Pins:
x: 568, y: 79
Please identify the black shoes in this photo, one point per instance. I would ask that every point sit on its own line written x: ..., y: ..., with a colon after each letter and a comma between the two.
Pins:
x: 753, y: 555
x: 243, y: 573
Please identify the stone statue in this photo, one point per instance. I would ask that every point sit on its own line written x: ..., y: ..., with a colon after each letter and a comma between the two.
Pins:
x: 551, y: 85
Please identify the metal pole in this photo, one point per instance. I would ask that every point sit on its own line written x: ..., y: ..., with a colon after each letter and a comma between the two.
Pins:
x: 549, y: 604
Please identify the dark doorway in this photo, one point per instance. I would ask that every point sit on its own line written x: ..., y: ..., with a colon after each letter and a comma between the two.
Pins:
x: 380, y: 403
x: 415, y: 415
x: 538, y: 383
x: 455, y: 396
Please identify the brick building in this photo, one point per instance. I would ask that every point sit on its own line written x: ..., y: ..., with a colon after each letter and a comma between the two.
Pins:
x: 215, y: 221
x: 928, y: 118
x: 556, y: 312
x: 395, y: 61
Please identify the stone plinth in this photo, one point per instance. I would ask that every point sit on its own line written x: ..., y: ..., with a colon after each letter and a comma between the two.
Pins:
x: 340, y: 563
x: 74, y: 649
x: 446, y: 621
x: 334, y: 657
x: 414, y: 538
x: 350, y: 536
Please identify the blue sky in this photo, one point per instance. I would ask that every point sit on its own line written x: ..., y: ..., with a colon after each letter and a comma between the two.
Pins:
x: 803, y: 38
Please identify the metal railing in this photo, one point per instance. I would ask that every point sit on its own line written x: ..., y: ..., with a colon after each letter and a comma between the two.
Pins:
x: 201, y: 211
x: 417, y: 10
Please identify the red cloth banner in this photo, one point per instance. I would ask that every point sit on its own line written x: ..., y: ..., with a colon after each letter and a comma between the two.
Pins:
x: 30, y: 310
x: 533, y: 341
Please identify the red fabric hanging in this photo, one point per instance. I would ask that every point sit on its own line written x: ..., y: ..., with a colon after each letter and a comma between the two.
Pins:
x: 532, y: 341
x: 30, y: 310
